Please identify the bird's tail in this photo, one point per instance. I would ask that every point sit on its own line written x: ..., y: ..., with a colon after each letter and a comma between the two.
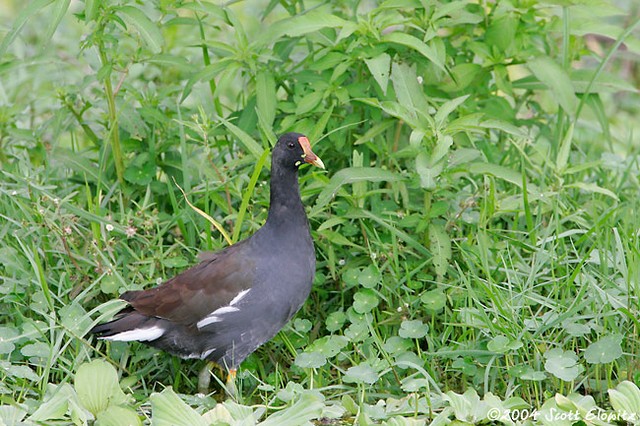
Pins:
x: 130, y: 325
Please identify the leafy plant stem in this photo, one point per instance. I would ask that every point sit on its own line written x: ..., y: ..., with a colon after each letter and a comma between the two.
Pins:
x: 207, y: 61
x: 113, y: 116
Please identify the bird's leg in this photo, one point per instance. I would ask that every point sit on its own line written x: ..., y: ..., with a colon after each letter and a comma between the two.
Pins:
x: 230, y: 387
x: 204, y: 378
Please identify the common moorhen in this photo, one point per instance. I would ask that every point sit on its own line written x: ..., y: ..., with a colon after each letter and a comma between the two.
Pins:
x: 234, y: 300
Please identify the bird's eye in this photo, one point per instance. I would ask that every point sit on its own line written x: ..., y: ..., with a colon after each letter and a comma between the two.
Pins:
x: 291, y: 144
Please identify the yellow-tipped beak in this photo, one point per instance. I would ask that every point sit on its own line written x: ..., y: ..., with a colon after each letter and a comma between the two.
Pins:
x: 309, y: 156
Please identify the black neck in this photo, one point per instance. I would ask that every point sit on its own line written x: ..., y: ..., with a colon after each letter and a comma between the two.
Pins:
x: 285, y: 207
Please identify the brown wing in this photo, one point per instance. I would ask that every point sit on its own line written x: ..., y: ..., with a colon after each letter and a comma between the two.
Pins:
x: 200, y: 290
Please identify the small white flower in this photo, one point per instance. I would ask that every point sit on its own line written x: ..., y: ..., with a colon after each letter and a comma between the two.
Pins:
x: 109, y: 227
x: 56, y: 201
x: 341, y: 262
x: 14, y: 192
x: 373, y: 256
x: 420, y: 79
x: 68, y: 230
x: 130, y: 231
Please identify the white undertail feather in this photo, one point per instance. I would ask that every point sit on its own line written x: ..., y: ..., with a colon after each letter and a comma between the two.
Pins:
x: 139, y: 334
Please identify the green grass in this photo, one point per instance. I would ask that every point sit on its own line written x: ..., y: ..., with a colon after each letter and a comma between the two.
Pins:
x: 476, y: 229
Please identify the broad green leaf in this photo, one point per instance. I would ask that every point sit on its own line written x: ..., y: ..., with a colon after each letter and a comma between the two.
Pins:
x: 308, y: 407
x: 394, y: 109
x: 576, y: 329
x: 503, y: 126
x: 55, y: 404
x: 357, y: 331
x: 12, y: 414
x: 427, y: 171
x: 309, y: 102
x: 396, y: 345
x: 605, y: 350
x: 321, y: 125
x: 434, y: 301
x: 97, y: 386
x: 59, y: 11
x: 302, y: 325
x: 526, y: 372
x: 167, y: 409
x: 501, y: 344
x: 557, y: 81
x: 563, y: 364
x: 329, y: 346
x: 415, y: 44
x: 503, y: 173
x: 207, y: 73
x: 466, y: 366
x: 18, y: 371
x: 375, y: 130
x: 462, y: 75
x: 141, y: 171
x: 91, y: 8
x: 7, y: 336
x: 413, y: 329
x: 208, y: 8
x: 249, y: 143
x: 440, y: 246
x: 414, y: 385
x: 312, y: 21
x: 349, y: 404
x: 170, y: 61
x: 310, y: 360
x: 592, y: 187
x: 408, y: 360
x: 118, y: 416
x: 379, y: 68
x: 27, y: 12
x: 300, y: 25
x: 565, y: 148
x: 266, y: 96
x: 335, y: 321
x: 369, y: 277
x: 408, y: 91
x: 147, y: 29
x: 174, y: 262
x: 362, y: 373
x: 365, y: 300
x: 467, y: 407
x: 447, y: 108
x: 502, y: 31
x: 337, y: 238
x: 604, y: 83
x: 351, y: 175
x: 625, y: 398
x: 350, y: 276
x: 442, y: 148
x: 37, y: 349
x: 241, y: 413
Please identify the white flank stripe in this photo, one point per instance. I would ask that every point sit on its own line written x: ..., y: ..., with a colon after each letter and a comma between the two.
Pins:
x: 208, y: 320
x: 224, y: 310
x: 140, y: 334
x: 207, y: 353
x: 240, y: 295
x: 214, y: 316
